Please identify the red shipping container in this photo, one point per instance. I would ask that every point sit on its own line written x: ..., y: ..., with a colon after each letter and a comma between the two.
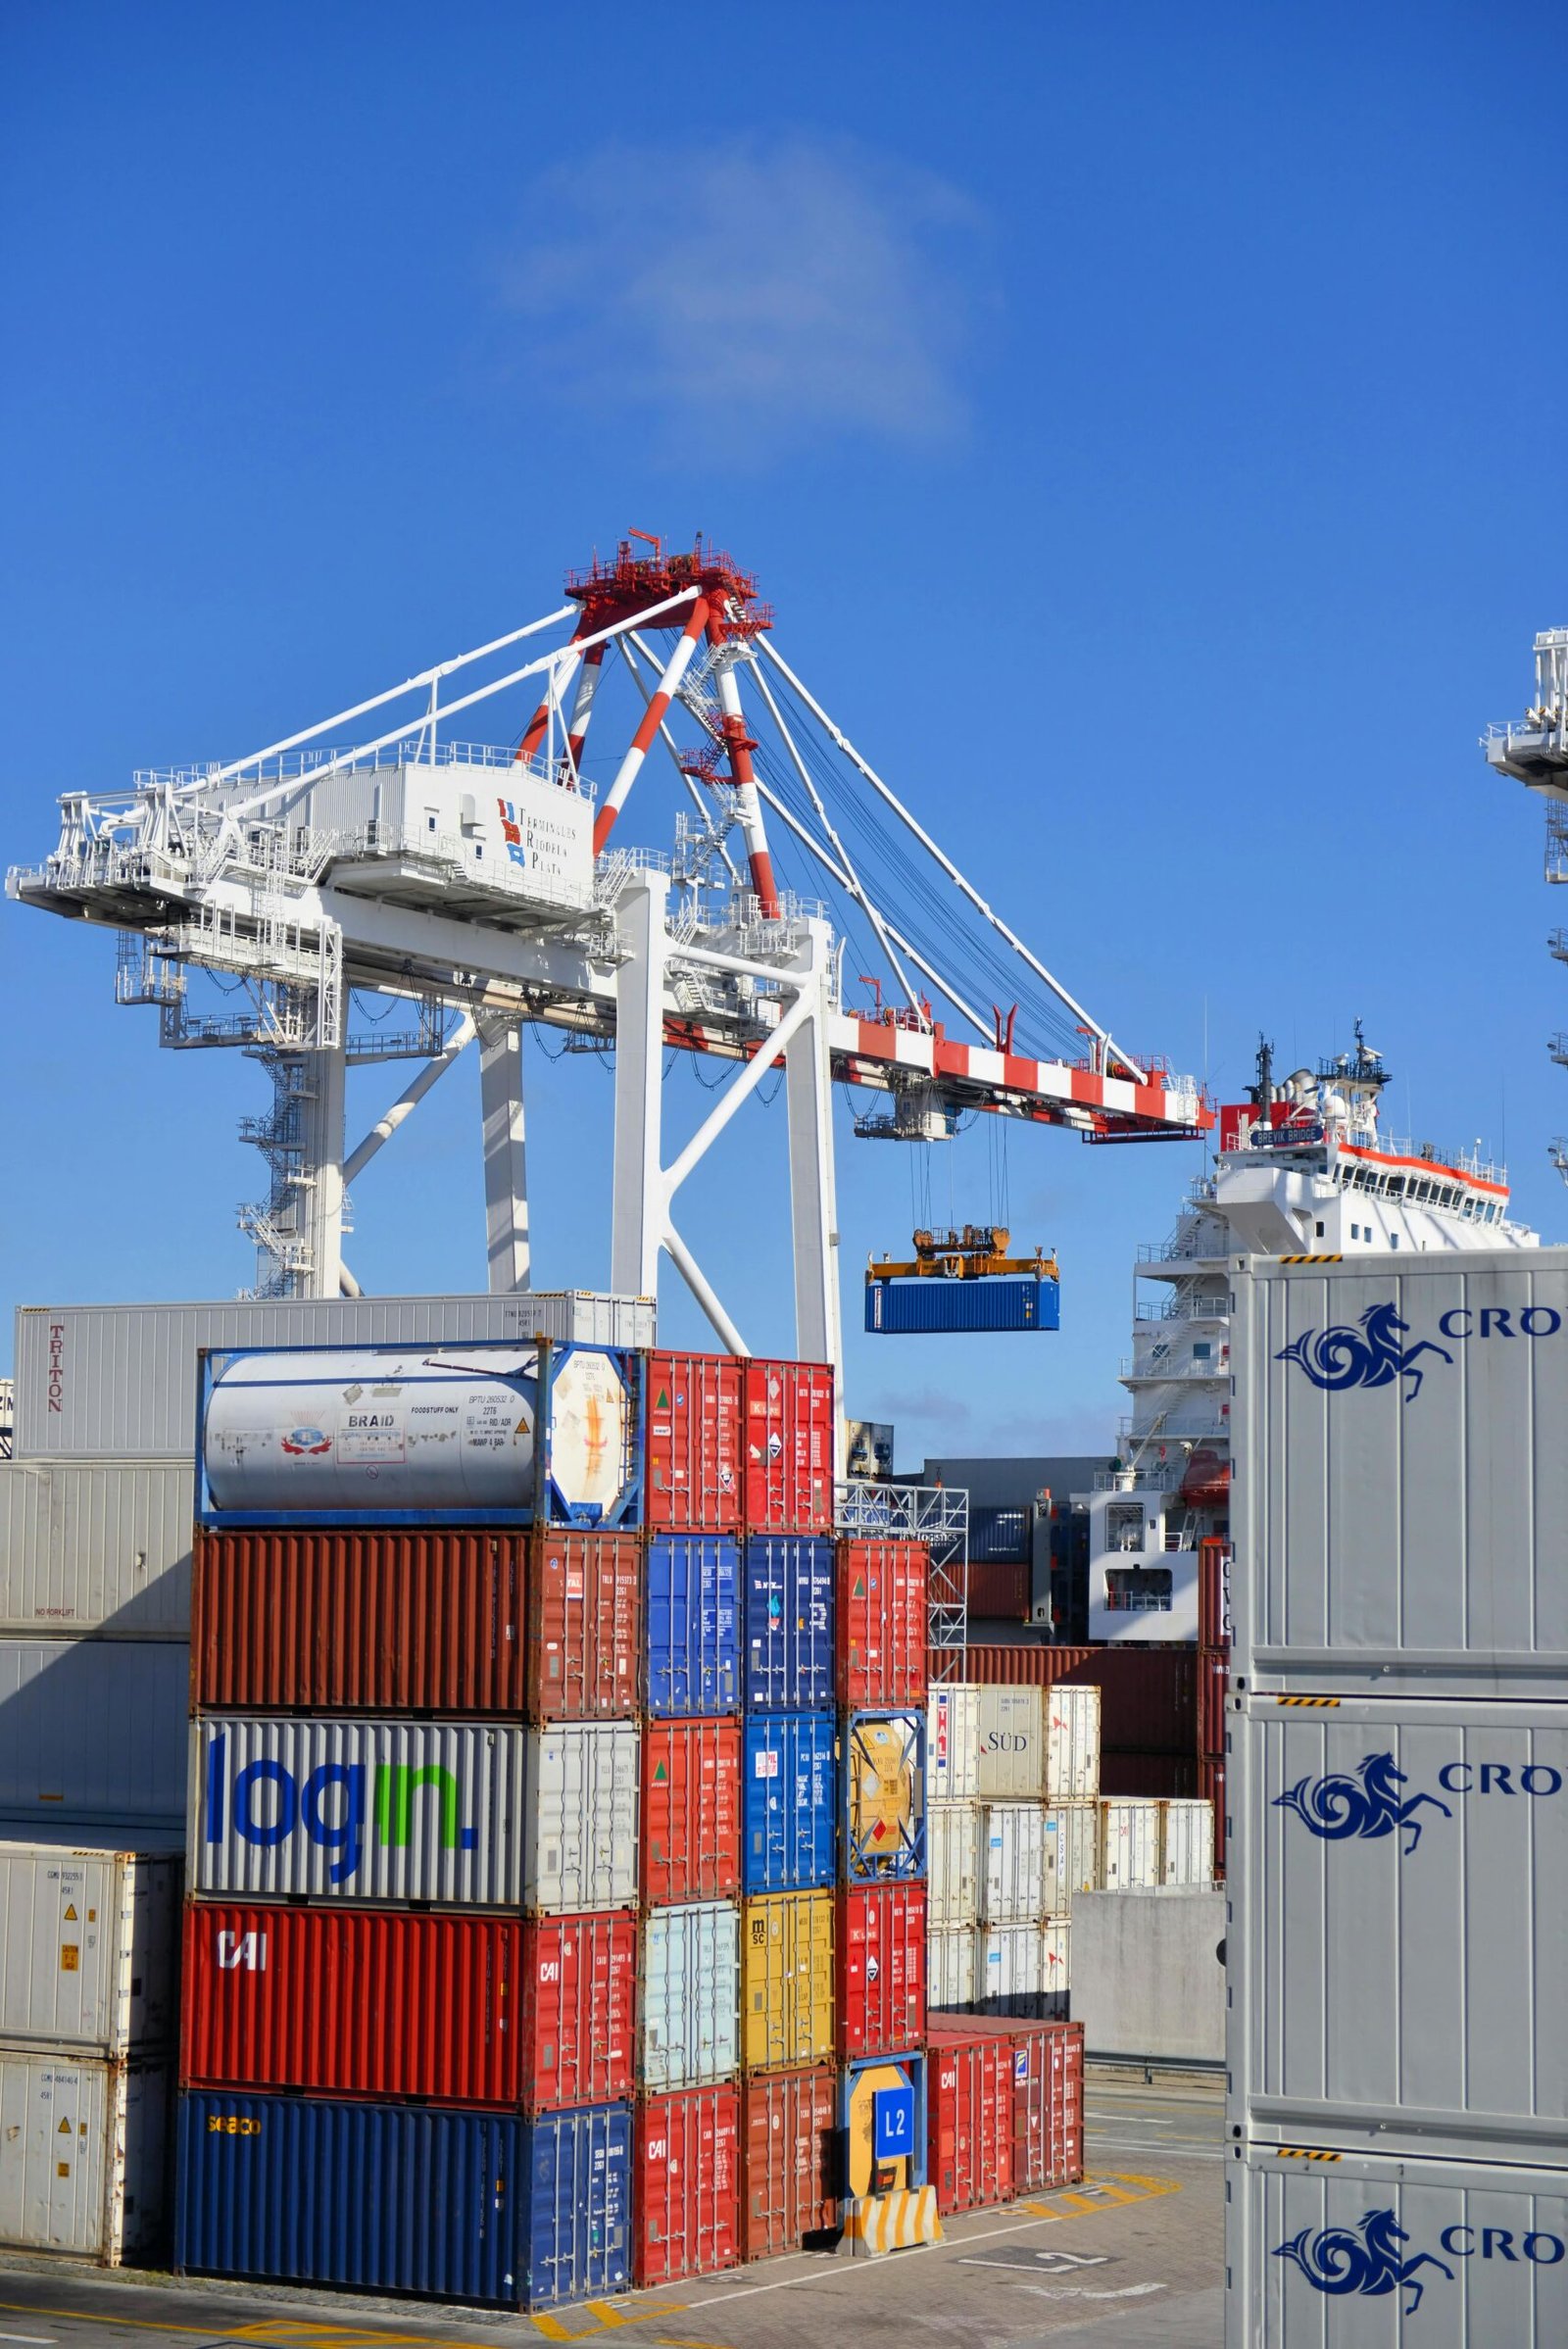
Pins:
x: 790, y: 1431
x: 687, y: 2195
x: 1151, y: 1777
x: 881, y: 1622
x: 692, y: 1461
x: 999, y: 1589
x: 1213, y: 1670
x: 1213, y: 1593
x: 879, y: 1960
x: 969, y: 2120
x: 1047, y: 2105
x: 584, y: 1625
x: 358, y: 1619
x: 1148, y: 1696
x: 1212, y: 1785
x: 457, y: 2008
x: 789, y: 2160
x: 691, y: 1811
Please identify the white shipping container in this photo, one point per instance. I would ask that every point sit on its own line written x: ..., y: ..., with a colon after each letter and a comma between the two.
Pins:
x: 950, y: 1966
x: 953, y: 1865
x: 1073, y: 1742
x: 1056, y: 1952
x: 580, y: 1847
x: 93, y: 1728
x: 83, y: 2155
x: 1022, y: 1969
x: 1400, y: 1475
x: 1073, y: 1854
x: 1187, y: 1843
x: 118, y: 1381
x: 101, y: 1548
x: 1010, y: 1743
x: 952, y: 1742
x: 360, y: 1810
x: 1012, y: 1850
x: 1366, y: 2252
x: 89, y: 1948
x: 1129, y: 1845
x: 691, y: 1968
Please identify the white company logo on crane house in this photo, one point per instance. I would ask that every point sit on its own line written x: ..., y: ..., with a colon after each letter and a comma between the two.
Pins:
x: 1339, y: 1356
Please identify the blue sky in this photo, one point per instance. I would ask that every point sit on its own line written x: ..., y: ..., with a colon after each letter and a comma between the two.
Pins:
x: 1146, y: 423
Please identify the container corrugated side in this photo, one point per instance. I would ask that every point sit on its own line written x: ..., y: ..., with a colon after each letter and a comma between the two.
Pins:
x: 482, y: 2206
x: 691, y: 1625
x: 790, y: 1809
x: 1129, y: 1845
x: 584, y: 1625
x: 1073, y: 1854
x: 101, y: 1548
x: 584, y: 1780
x: 1398, y: 1516
x: 367, y: 1810
x: 1366, y: 2252
x: 925, y: 1306
x: 789, y: 1437
x: 1011, y: 1740
x: 1013, y: 1854
x: 449, y: 2009
x: 789, y: 2159
x: 970, y: 2120
x: 120, y: 1381
x: 787, y: 1982
x: 788, y: 1617
x: 88, y: 1948
x: 693, y: 1435
x: 1022, y: 1969
x: 688, y: 2185
x: 952, y: 1862
x: 881, y: 1988
x: 83, y: 2155
x: 1187, y: 1843
x: 999, y: 1590
x: 93, y: 1728
x: 691, y: 1811
x: 1072, y: 1744
x: 950, y: 1954
x: 882, y: 1590
x: 690, y: 1996
x: 1397, y: 1921
x: 1048, y: 2141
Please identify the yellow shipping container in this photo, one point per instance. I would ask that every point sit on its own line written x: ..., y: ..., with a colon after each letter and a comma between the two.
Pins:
x: 787, y: 1980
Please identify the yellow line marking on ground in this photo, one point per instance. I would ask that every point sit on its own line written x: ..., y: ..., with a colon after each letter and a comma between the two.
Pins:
x: 337, y: 2336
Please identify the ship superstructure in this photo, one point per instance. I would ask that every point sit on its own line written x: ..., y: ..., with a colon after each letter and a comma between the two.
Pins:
x: 1303, y: 1167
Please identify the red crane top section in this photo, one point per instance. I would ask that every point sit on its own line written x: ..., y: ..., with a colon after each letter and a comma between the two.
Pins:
x: 619, y: 587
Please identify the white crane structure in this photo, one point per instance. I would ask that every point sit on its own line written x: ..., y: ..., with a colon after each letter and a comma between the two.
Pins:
x: 1533, y: 749
x: 488, y: 888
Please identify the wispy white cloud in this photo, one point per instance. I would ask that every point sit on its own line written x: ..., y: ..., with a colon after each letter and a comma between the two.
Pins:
x: 764, y: 295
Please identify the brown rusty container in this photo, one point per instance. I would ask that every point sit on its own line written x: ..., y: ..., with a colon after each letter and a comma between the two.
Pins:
x: 585, y: 1625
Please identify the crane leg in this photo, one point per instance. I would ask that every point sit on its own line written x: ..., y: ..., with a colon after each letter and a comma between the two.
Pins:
x: 506, y: 1165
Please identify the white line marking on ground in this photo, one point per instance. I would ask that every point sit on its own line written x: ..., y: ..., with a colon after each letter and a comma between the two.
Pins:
x: 41, y: 2338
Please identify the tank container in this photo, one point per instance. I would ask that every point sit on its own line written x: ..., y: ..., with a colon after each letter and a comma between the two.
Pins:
x: 93, y: 1728
x: 84, y: 2154
x: 790, y: 1813
x: 788, y: 1627
x: 691, y: 1811
x: 883, y: 1774
x: 787, y: 1980
x: 88, y: 1948
x: 688, y: 2197
x: 100, y: 1546
x: 690, y: 1996
x: 692, y: 1656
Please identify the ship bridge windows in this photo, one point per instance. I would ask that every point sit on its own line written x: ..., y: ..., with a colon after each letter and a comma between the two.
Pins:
x: 1124, y: 1526
x: 1138, y: 1590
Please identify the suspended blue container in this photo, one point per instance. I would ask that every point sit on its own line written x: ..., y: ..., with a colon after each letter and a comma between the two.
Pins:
x: 930, y: 1304
x: 789, y: 1619
x: 789, y: 1820
x: 400, y: 2198
x: 690, y: 1632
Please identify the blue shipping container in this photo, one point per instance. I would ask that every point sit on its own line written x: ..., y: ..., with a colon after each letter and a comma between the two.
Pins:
x: 691, y: 1637
x: 789, y: 1817
x: 789, y: 1663
x: 398, y: 2198
x: 999, y: 1536
x: 928, y: 1304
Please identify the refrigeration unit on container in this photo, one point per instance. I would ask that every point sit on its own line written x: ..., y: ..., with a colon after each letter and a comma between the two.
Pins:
x: 89, y: 1946
x: 881, y: 1986
x: 485, y: 1434
x: 786, y: 1625
x: 929, y: 1307
x: 1129, y: 1845
x: 882, y: 1592
x: 100, y: 1546
x: 789, y: 1820
x: 84, y: 2154
x: 970, y: 2126
x: 690, y: 1996
x: 688, y: 2185
x: 1187, y: 1843
x: 691, y: 1811
x: 950, y: 1964
x: 1395, y: 1950
x: 787, y: 1980
x: 691, y: 1627
x: 475, y: 2205
x: 789, y: 2159
x: 1398, y: 1516
x: 692, y: 1475
x: 789, y: 1439
x: 449, y: 2008
x: 1366, y: 2251
x: 120, y: 1381
x: 952, y: 1862
x: 883, y: 1776
x: 1073, y: 1861
x: 93, y: 1728
x: 1012, y: 1857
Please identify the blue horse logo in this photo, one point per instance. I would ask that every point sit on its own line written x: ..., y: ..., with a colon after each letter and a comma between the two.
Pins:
x: 1339, y: 1357
x: 1363, y: 2259
x: 1337, y: 1806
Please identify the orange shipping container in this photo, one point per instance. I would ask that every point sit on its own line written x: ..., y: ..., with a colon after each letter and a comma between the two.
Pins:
x: 789, y: 2149
x: 691, y: 1811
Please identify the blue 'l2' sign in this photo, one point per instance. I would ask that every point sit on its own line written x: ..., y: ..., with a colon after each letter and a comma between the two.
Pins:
x: 892, y: 2124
